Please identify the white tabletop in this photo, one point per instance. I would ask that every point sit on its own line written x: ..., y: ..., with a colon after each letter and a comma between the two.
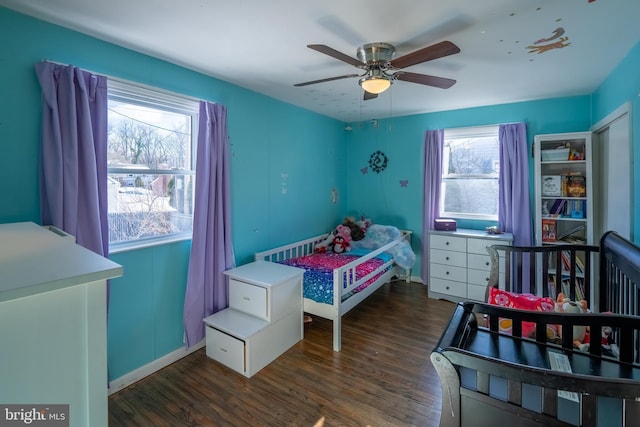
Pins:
x: 34, y: 260
x: 264, y: 273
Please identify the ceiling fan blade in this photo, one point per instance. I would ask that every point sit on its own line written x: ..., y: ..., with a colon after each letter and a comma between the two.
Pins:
x: 438, y: 50
x: 329, y: 79
x: 368, y: 95
x: 424, y: 79
x: 335, y: 54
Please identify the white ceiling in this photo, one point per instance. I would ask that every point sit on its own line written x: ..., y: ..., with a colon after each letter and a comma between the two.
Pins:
x: 261, y: 45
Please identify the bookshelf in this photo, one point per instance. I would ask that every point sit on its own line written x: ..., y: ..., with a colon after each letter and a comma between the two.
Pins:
x: 564, y: 188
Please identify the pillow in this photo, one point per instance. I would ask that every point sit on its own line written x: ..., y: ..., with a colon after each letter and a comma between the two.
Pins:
x: 520, y: 301
x: 528, y: 302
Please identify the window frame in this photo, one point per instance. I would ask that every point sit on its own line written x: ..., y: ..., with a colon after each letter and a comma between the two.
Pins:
x: 155, y: 98
x: 465, y: 133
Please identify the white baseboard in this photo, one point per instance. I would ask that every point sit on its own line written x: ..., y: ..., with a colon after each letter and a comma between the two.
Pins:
x: 148, y: 369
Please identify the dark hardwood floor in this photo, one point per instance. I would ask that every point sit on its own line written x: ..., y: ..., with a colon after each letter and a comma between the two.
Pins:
x: 382, y: 377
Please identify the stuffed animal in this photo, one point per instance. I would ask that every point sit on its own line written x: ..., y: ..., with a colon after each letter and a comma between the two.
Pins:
x: 609, y: 347
x: 324, y: 245
x: 342, y: 239
x: 339, y: 245
x: 364, y: 223
x: 565, y: 305
x: 357, y: 233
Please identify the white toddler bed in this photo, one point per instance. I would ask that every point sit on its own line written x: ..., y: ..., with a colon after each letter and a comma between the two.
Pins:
x: 353, y: 282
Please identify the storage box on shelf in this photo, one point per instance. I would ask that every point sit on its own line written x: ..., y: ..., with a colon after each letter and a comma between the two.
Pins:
x: 459, y: 264
x: 264, y: 318
x: 555, y: 154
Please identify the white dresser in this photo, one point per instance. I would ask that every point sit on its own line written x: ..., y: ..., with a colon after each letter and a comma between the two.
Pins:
x: 53, y: 325
x: 459, y: 263
x: 263, y: 320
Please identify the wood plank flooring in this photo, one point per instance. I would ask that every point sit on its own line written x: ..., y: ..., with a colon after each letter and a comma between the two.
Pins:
x: 382, y: 377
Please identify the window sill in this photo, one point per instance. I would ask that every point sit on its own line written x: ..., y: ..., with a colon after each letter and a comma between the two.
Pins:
x: 142, y: 244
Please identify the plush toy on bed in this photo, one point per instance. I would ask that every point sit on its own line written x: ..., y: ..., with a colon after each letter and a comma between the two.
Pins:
x: 364, y: 223
x: 324, y: 245
x: 342, y: 239
x: 609, y: 346
x: 357, y: 232
x: 565, y: 305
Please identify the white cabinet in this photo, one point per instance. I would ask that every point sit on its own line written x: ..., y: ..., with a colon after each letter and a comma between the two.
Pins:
x: 53, y: 324
x: 263, y: 320
x: 564, y: 188
x: 459, y: 263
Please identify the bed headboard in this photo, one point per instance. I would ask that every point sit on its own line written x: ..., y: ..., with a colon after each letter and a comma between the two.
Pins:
x: 619, y: 275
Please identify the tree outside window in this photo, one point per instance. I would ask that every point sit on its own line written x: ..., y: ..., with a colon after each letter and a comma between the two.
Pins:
x: 151, y: 166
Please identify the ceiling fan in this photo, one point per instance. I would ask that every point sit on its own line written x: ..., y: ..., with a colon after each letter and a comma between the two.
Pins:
x: 380, y: 69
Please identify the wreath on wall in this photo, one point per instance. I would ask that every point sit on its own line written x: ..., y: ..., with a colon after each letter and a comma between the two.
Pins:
x: 378, y: 161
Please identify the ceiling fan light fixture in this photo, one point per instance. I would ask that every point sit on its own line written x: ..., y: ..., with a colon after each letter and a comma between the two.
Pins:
x: 375, y: 84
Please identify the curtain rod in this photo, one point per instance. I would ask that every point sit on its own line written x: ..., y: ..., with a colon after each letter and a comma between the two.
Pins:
x: 129, y: 82
x: 462, y: 128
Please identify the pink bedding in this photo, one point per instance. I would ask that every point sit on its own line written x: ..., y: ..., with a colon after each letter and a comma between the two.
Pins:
x: 318, y: 277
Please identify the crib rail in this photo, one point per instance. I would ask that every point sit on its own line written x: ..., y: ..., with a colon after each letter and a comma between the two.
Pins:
x: 619, y: 275
x: 492, y: 378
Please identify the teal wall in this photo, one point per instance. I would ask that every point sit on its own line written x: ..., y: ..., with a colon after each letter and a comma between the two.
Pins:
x: 385, y: 200
x: 274, y: 146
x: 623, y: 86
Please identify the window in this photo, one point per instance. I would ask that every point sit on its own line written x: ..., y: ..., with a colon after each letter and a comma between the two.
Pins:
x: 151, y: 165
x: 470, y: 167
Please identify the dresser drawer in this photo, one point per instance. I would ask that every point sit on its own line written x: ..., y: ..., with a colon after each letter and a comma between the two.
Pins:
x: 476, y: 293
x: 225, y: 349
x: 448, y: 287
x: 479, y: 262
x: 248, y: 298
x: 478, y: 277
x: 446, y: 242
x: 439, y: 256
x: 447, y: 272
x: 479, y: 246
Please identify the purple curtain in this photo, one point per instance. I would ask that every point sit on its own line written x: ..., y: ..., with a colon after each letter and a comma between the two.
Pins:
x: 211, y: 248
x: 433, y: 147
x: 73, y: 178
x: 514, y: 206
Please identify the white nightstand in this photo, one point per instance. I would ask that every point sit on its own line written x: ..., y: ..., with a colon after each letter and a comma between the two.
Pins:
x: 264, y: 318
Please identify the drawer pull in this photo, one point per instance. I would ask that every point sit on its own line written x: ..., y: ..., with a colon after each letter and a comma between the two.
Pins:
x: 487, y: 263
x: 447, y: 288
x: 246, y: 298
x: 223, y: 349
x: 447, y: 258
x: 447, y: 273
x: 447, y: 243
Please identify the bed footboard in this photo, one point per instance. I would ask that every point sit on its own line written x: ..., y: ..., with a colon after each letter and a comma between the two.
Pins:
x: 491, y: 378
